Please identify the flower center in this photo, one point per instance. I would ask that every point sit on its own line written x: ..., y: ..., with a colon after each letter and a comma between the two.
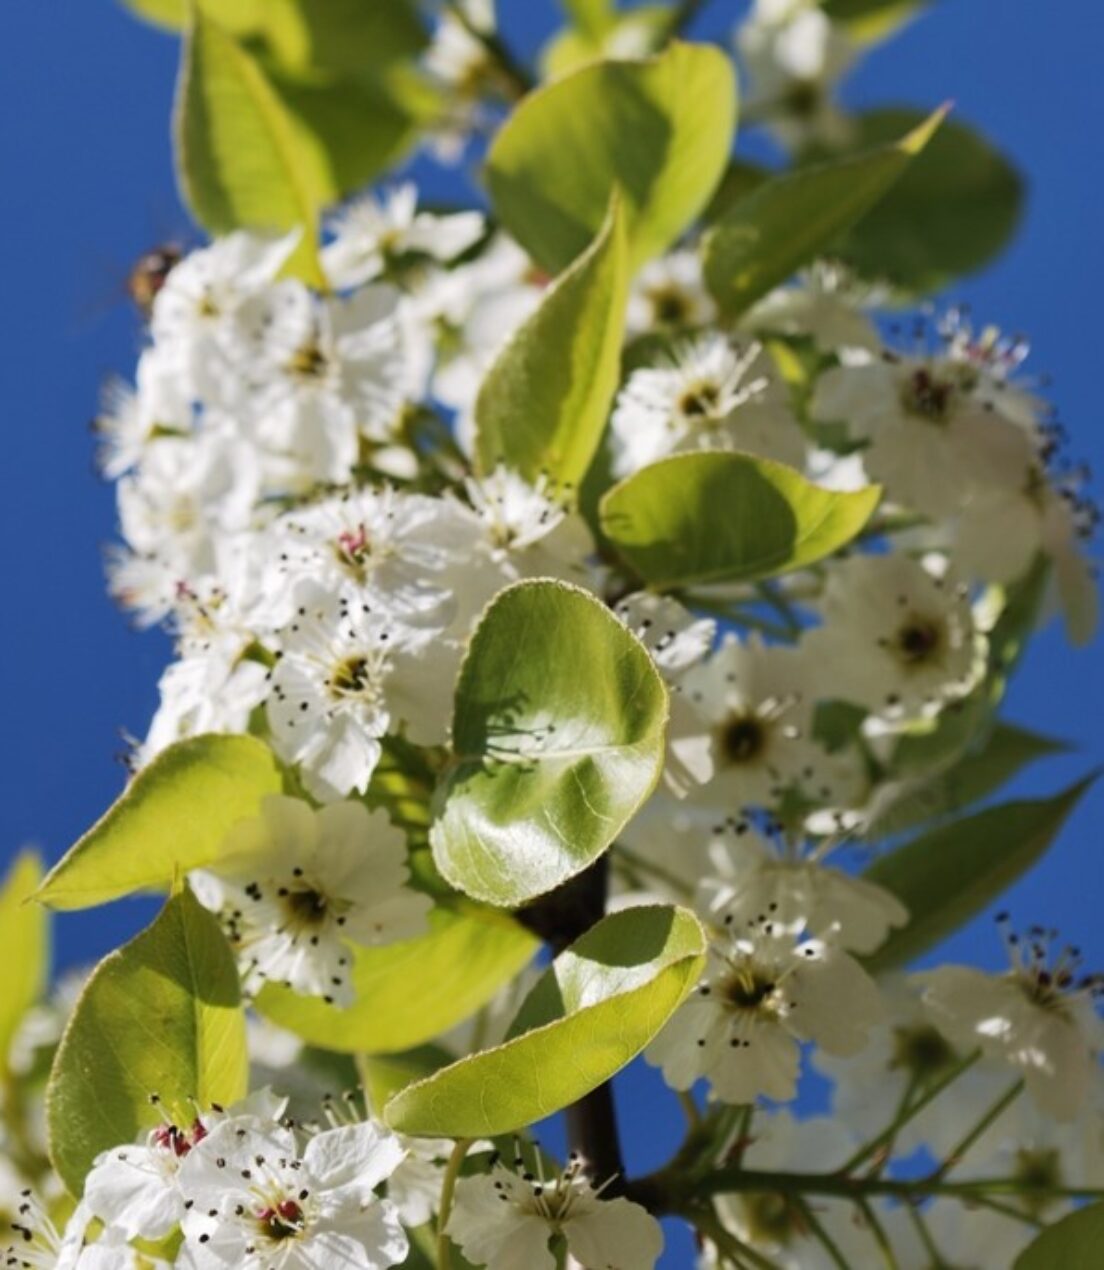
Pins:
x: 308, y: 362
x: 281, y: 1221
x: 357, y: 676
x: 918, y: 641
x: 749, y: 987
x: 928, y: 398
x: 699, y: 401
x: 743, y: 739
x: 308, y: 907
x: 670, y: 306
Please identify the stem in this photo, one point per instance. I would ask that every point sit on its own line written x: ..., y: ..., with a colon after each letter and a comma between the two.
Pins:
x: 689, y: 1107
x: 1006, y: 1210
x: 890, y: 1132
x: 738, y: 1181
x: 448, y: 1189
x: 879, y: 1233
x: 827, y: 1242
x: 956, y: 1153
x: 732, y: 1249
x: 592, y: 1132
x: 592, y: 1121
x: 939, y: 1262
x: 772, y: 597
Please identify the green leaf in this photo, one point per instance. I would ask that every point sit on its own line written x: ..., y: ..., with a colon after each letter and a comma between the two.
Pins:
x: 543, y: 405
x: 783, y: 223
x: 951, y: 213
x: 558, y: 727
x: 717, y: 516
x: 594, y: 17
x: 162, y: 1015
x: 948, y: 875
x: 172, y: 817
x: 658, y: 130
x: 409, y: 992
x: 339, y: 35
x: 946, y: 788
x: 383, y: 1075
x: 24, y: 947
x: 1073, y: 1243
x: 592, y: 1011
x: 240, y: 159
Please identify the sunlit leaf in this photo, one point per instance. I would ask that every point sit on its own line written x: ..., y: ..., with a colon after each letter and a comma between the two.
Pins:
x: 716, y: 516
x: 24, y: 947
x: 558, y: 727
x: 161, y: 1016
x: 595, y: 1008
x: 172, y: 817
x: 543, y: 404
x: 409, y: 992
x: 659, y: 131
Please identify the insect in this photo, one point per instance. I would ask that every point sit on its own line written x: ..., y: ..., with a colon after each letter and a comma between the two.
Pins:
x: 149, y: 273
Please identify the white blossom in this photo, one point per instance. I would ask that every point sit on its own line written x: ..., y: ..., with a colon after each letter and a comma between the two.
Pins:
x: 256, y: 1203
x: 765, y: 990
x: 712, y: 395
x: 370, y: 234
x: 504, y: 1220
x: 751, y: 874
x: 896, y: 638
x: 298, y: 887
x: 741, y: 726
x: 1039, y: 1017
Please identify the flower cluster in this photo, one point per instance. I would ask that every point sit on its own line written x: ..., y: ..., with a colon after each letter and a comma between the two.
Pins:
x: 304, y: 506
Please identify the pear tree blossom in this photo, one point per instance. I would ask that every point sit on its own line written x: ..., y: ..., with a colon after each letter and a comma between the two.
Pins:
x: 488, y: 756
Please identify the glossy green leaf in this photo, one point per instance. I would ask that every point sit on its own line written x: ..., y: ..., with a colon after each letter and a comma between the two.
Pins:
x: 172, y: 817
x: 338, y: 35
x: 589, y: 1014
x: 951, y: 213
x: 1073, y: 1243
x: 970, y: 777
x: 716, y: 516
x: 24, y: 947
x: 659, y: 130
x: 948, y: 875
x: 409, y: 992
x: 163, y: 1016
x: 558, y: 727
x: 543, y: 405
x: 241, y: 160
x: 783, y: 223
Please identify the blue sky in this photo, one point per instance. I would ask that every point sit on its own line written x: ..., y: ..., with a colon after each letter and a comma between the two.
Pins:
x: 85, y: 94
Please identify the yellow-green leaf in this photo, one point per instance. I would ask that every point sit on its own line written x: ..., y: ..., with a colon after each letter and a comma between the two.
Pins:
x: 715, y: 516
x: 594, y: 1009
x: 543, y: 405
x: 241, y: 161
x: 659, y: 130
x: 162, y: 1016
x: 172, y: 817
x: 24, y: 947
x: 410, y: 992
